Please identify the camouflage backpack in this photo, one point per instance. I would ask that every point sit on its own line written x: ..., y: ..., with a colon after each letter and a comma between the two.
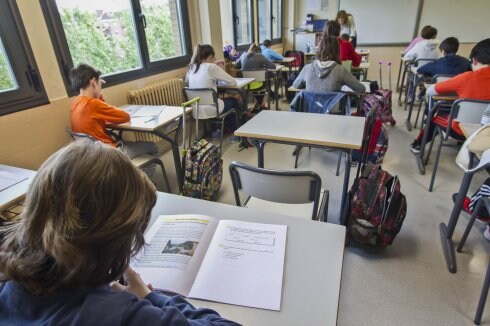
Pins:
x: 203, y: 171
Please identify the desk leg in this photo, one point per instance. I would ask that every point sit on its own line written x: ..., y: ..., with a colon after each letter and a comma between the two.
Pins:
x: 260, y: 153
x: 176, y: 154
x: 276, y: 91
x: 420, y: 156
x: 447, y: 231
x: 399, y: 75
x: 343, y: 202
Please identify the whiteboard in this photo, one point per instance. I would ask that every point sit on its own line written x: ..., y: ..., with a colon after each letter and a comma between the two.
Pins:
x: 383, y: 21
x: 465, y: 19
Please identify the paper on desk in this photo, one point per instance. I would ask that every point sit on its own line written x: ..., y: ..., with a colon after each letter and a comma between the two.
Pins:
x: 143, y: 111
x: 346, y: 88
x: 8, y: 179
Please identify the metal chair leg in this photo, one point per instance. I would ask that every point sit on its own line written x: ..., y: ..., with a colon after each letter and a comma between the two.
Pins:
x: 165, y: 178
x: 221, y: 137
x: 469, y: 226
x: 418, y: 114
x: 338, y: 164
x: 436, y: 163
x: 483, y: 296
x: 297, y: 150
x: 436, y: 133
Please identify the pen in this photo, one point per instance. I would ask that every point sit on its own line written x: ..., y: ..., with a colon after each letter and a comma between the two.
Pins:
x: 150, y: 119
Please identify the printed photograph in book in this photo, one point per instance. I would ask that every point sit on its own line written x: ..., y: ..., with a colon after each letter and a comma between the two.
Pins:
x: 180, y: 248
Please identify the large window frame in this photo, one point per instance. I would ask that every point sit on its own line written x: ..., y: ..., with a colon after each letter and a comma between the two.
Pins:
x: 148, y: 68
x: 271, y: 20
x: 29, y: 91
x: 236, y: 22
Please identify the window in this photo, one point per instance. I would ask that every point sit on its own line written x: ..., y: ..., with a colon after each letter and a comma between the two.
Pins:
x: 270, y: 20
x: 20, y: 84
x: 125, y: 39
x: 239, y: 14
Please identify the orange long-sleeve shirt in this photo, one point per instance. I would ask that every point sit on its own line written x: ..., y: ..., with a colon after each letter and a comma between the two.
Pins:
x: 90, y: 115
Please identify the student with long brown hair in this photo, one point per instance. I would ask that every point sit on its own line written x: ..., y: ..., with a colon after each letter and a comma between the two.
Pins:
x: 84, y: 218
x: 347, y: 52
x: 326, y: 74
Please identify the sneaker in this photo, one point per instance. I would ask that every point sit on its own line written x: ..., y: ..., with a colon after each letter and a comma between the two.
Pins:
x: 415, y: 148
x: 486, y: 233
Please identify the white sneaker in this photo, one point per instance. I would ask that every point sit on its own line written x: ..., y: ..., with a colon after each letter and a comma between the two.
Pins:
x: 486, y: 233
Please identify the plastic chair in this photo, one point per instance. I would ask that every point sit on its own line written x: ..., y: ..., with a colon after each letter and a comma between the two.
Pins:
x: 463, y: 110
x: 482, y: 202
x: 287, y: 187
x: 208, y: 96
x: 408, y: 72
x: 260, y: 75
x: 141, y: 161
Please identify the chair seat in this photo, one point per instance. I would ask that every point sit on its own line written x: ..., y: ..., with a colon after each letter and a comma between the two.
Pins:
x: 294, y: 210
x: 143, y: 160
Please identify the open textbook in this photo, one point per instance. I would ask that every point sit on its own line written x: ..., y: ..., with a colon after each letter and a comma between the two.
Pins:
x: 226, y: 261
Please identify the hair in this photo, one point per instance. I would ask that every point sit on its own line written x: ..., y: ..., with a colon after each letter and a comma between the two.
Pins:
x: 342, y: 14
x: 449, y: 45
x: 81, y: 75
x: 428, y: 32
x: 267, y: 43
x: 201, y: 53
x: 345, y: 37
x: 85, y: 214
x: 328, y: 49
x: 254, y: 48
x: 481, y: 52
x: 331, y: 28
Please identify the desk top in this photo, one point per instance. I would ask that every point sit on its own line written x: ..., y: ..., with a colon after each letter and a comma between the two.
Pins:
x: 167, y: 116
x: 278, y: 68
x: 469, y: 128
x: 15, y: 193
x: 363, y: 65
x: 241, y: 83
x: 285, y: 60
x: 345, y: 88
x: 305, y: 128
x: 363, y: 52
x: 312, y: 268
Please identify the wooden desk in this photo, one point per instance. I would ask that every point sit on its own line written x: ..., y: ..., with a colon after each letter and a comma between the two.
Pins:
x: 167, y: 122
x: 323, y: 131
x: 312, y: 268
x: 241, y: 88
x: 277, y: 80
x: 469, y: 128
x: 364, y: 53
x: 15, y: 193
x: 363, y: 67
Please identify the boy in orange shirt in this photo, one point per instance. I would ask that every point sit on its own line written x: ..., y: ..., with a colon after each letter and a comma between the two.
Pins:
x: 89, y: 113
x: 472, y: 84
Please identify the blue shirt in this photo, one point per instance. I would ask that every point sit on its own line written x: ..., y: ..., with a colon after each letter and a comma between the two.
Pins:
x: 99, y: 306
x: 451, y: 64
x: 270, y: 54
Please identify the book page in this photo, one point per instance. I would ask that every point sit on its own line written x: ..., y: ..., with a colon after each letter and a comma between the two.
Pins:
x: 9, y: 179
x: 176, y: 247
x: 244, y: 265
x: 143, y: 110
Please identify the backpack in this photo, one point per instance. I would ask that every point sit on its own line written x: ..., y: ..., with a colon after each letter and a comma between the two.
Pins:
x: 298, y: 59
x: 381, y: 99
x: 377, y: 208
x: 378, y: 145
x: 203, y: 171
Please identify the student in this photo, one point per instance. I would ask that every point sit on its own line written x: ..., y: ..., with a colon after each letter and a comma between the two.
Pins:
x: 326, y: 74
x: 255, y: 60
x: 425, y: 49
x: 268, y: 53
x: 450, y: 63
x: 416, y: 40
x: 85, y: 214
x: 344, y: 37
x: 472, y: 84
x: 89, y: 113
x: 347, y: 52
x: 205, y: 73
x: 348, y: 26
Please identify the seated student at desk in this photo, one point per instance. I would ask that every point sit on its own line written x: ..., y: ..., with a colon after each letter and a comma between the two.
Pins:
x: 426, y: 49
x: 205, y: 73
x: 89, y: 113
x: 268, y: 53
x: 326, y: 74
x: 416, y: 40
x: 450, y: 63
x: 85, y: 214
x: 347, y: 52
x: 472, y: 84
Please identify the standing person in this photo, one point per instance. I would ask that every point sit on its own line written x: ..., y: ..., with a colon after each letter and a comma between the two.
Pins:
x: 268, y: 53
x: 255, y: 60
x: 205, y: 73
x: 347, y: 51
x: 326, y: 74
x: 89, y: 113
x: 84, y: 218
x: 347, y: 26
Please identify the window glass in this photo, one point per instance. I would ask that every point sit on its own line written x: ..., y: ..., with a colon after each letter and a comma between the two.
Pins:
x: 7, y: 79
x: 163, y: 29
x: 276, y: 19
x: 264, y: 20
x: 226, y: 21
x: 101, y: 33
x: 243, y: 22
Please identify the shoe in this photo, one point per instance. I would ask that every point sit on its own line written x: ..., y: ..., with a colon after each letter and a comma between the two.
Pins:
x: 486, y: 233
x: 415, y: 148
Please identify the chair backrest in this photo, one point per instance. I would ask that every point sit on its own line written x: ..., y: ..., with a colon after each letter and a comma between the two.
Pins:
x: 287, y: 187
x: 321, y: 102
x: 468, y: 110
x: 422, y: 61
x: 347, y: 64
x: 464, y: 157
x: 79, y: 135
x: 260, y: 75
x: 208, y: 96
x: 441, y: 78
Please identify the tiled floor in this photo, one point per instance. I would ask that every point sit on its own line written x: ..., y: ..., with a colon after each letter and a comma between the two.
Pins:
x: 406, y: 283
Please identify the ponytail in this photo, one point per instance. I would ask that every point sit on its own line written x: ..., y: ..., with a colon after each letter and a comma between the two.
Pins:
x: 201, y: 53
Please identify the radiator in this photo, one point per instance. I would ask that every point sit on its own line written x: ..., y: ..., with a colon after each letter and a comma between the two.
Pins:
x: 168, y: 92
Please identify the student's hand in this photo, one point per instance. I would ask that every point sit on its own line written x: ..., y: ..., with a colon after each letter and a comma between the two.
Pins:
x: 134, y: 284
x: 101, y: 97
